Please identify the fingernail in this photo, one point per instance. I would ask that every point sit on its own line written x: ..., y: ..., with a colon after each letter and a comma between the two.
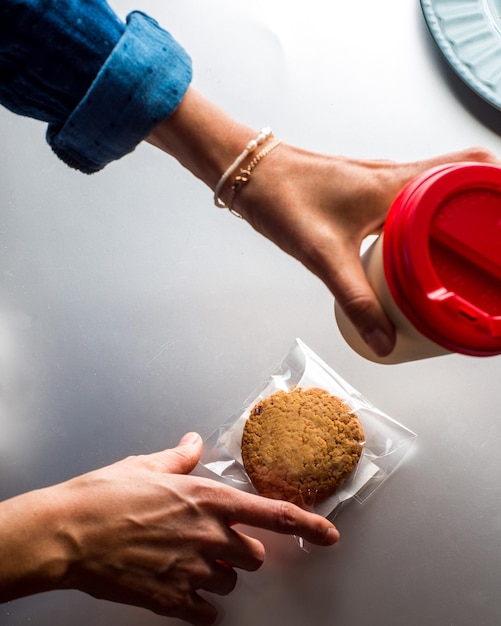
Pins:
x: 189, y: 439
x: 332, y: 535
x: 379, y: 341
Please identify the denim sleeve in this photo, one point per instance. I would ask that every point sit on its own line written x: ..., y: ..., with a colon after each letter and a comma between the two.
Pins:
x: 101, y: 85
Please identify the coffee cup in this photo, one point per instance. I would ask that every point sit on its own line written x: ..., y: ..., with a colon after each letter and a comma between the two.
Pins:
x: 436, y: 267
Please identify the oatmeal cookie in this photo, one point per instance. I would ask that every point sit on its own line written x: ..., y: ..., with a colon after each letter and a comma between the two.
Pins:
x: 301, y: 445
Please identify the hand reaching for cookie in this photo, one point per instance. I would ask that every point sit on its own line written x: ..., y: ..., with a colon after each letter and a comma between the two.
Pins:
x: 143, y: 532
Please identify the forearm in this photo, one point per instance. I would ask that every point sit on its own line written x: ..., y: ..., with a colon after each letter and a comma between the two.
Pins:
x: 32, y: 545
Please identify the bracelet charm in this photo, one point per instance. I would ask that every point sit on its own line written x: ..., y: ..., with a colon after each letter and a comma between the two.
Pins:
x: 261, y: 137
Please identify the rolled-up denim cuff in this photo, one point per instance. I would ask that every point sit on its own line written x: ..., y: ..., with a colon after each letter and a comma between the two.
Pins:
x: 141, y: 83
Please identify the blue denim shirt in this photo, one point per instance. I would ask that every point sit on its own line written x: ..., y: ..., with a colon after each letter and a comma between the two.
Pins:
x: 101, y: 85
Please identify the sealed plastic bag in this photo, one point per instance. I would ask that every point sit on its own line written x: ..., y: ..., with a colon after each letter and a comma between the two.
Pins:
x: 386, y: 441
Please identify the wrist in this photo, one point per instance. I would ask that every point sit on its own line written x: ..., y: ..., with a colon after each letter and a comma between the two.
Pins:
x: 266, y: 185
x: 34, y: 551
x: 239, y: 172
x: 202, y: 137
x: 207, y: 141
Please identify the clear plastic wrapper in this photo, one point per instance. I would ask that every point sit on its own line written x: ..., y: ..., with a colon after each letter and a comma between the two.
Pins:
x: 386, y: 440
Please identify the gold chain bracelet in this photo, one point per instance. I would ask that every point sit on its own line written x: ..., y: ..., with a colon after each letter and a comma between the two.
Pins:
x: 245, y: 173
x: 261, y: 137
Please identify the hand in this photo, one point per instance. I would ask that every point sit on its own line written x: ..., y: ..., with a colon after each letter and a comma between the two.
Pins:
x: 143, y: 532
x: 319, y: 209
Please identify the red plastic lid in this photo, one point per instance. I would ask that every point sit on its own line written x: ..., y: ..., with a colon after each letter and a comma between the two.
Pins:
x: 442, y: 256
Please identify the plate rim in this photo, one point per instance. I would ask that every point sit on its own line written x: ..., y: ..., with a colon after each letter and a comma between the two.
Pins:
x: 479, y: 87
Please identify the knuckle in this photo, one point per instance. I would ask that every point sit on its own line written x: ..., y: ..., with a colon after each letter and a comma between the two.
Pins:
x: 479, y: 153
x: 286, y: 517
x: 210, y: 493
x: 200, y: 572
x: 169, y: 602
x: 357, y: 306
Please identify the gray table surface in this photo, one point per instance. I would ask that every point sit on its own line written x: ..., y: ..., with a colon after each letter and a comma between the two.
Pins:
x: 132, y: 310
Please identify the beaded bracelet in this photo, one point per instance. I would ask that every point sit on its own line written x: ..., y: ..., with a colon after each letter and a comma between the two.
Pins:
x: 262, y: 136
x: 245, y: 173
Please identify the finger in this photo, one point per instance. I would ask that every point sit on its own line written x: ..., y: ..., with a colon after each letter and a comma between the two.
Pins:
x: 179, y: 460
x: 163, y: 597
x: 242, y: 551
x: 282, y: 517
x: 476, y: 153
x: 349, y: 285
x: 197, y: 611
x: 346, y: 279
x: 222, y: 580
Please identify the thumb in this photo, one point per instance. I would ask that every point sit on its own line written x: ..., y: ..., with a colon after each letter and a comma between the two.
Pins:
x: 356, y: 297
x: 184, y: 457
